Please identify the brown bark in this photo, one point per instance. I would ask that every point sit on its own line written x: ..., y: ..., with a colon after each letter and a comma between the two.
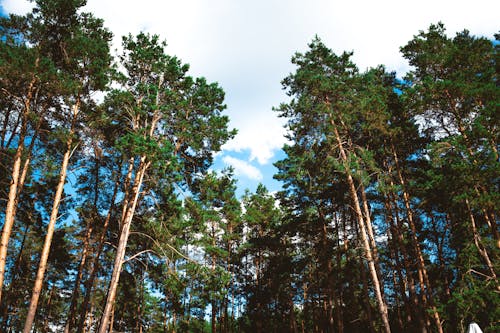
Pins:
x: 401, y: 281
x: 15, y: 281
x: 366, y: 299
x: 382, y: 306
x: 122, y: 244
x: 214, y: 303
x: 479, y: 244
x: 330, y: 288
x: 5, y: 127
x: 396, y: 229
x: 86, y: 245
x: 51, y: 226
x: 422, y: 271
x: 74, y: 297
x: 338, y: 294
x: 399, y: 316
x: 112, y: 319
x: 371, y: 234
x: 292, y: 320
x: 48, y: 306
x: 10, y: 210
x: 95, y: 263
x: 472, y: 155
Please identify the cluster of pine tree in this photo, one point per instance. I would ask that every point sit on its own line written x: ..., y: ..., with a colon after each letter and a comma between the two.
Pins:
x: 113, y: 222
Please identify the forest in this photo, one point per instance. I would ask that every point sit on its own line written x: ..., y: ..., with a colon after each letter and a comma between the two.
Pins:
x: 114, y: 220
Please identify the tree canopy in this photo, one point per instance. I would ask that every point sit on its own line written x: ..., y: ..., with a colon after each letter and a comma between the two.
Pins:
x: 114, y: 219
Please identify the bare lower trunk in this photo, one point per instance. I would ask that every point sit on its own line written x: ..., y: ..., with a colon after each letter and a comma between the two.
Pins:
x: 10, y: 210
x: 337, y: 286
x: 479, y: 245
x: 422, y: 270
x: 366, y: 300
x: 74, y: 296
x: 9, y: 214
x: 70, y: 322
x: 95, y: 262
x: 122, y: 244
x: 50, y: 228
x: 371, y: 235
x: 48, y: 306
x: 408, y: 279
x: 15, y: 281
x: 382, y: 306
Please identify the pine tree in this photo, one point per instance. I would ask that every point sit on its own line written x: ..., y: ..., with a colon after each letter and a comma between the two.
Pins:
x: 174, y: 124
x: 323, y: 113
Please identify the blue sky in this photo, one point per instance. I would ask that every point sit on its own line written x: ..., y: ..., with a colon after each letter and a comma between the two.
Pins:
x: 246, y: 46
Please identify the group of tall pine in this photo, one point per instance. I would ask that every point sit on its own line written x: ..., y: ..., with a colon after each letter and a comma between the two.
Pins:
x: 113, y: 220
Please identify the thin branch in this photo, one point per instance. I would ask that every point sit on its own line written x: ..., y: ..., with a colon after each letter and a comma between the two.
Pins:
x: 138, y: 254
x: 168, y: 245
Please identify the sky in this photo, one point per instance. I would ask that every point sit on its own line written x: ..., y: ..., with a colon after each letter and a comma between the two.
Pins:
x: 246, y: 47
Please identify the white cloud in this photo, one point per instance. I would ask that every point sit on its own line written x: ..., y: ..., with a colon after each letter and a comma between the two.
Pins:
x: 242, y: 168
x: 16, y: 6
x: 259, y: 132
x: 246, y: 46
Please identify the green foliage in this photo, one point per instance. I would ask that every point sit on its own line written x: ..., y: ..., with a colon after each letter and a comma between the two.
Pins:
x: 423, y: 151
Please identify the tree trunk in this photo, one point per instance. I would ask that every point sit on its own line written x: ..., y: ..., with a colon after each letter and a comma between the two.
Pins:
x: 5, y: 127
x: 48, y: 306
x: 338, y: 295
x: 371, y: 234
x: 422, y: 271
x: 382, y: 306
x: 74, y: 297
x: 11, y: 205
x: 479, y: 245
x: 366, y: 299
x: 52, y: 222
x: 122, y: 245
x: 86, y: 245
x: 409, y: 281
x: 406, y: 282
x: 13, y: 197
x: 15, y: 281
x: 95, y: 263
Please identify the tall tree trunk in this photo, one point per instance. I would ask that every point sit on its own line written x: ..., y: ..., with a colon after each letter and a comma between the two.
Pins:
x: 95, y: 262
x: 366, y: 299
x: 74, y: 296
x: 479, y: 244
x: 330, y: 289
x: 140, y: 305
x: 13, y: 197
x: 5, y: 126
x: 406, y: 282
x: 409, y: 281
x: 86, y: 247
x: 214, y: 302
x: 338, y: 291
x: 292, y: 320
x: 382, y: 306
x: 422, y: 270
x: 397, y: 286
x: 49, y: 308
x: 258, y: 310
x: 371, y: 234
x: 52, y: 222
x: 487, y: 209
x: 122, y: 245
x: 15, y: 281
x: 20, y: 186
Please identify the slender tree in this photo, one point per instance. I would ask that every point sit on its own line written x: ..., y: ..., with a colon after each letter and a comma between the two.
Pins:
x: 323, y: 112
x: 175, y: 124
x: 85, y: 70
